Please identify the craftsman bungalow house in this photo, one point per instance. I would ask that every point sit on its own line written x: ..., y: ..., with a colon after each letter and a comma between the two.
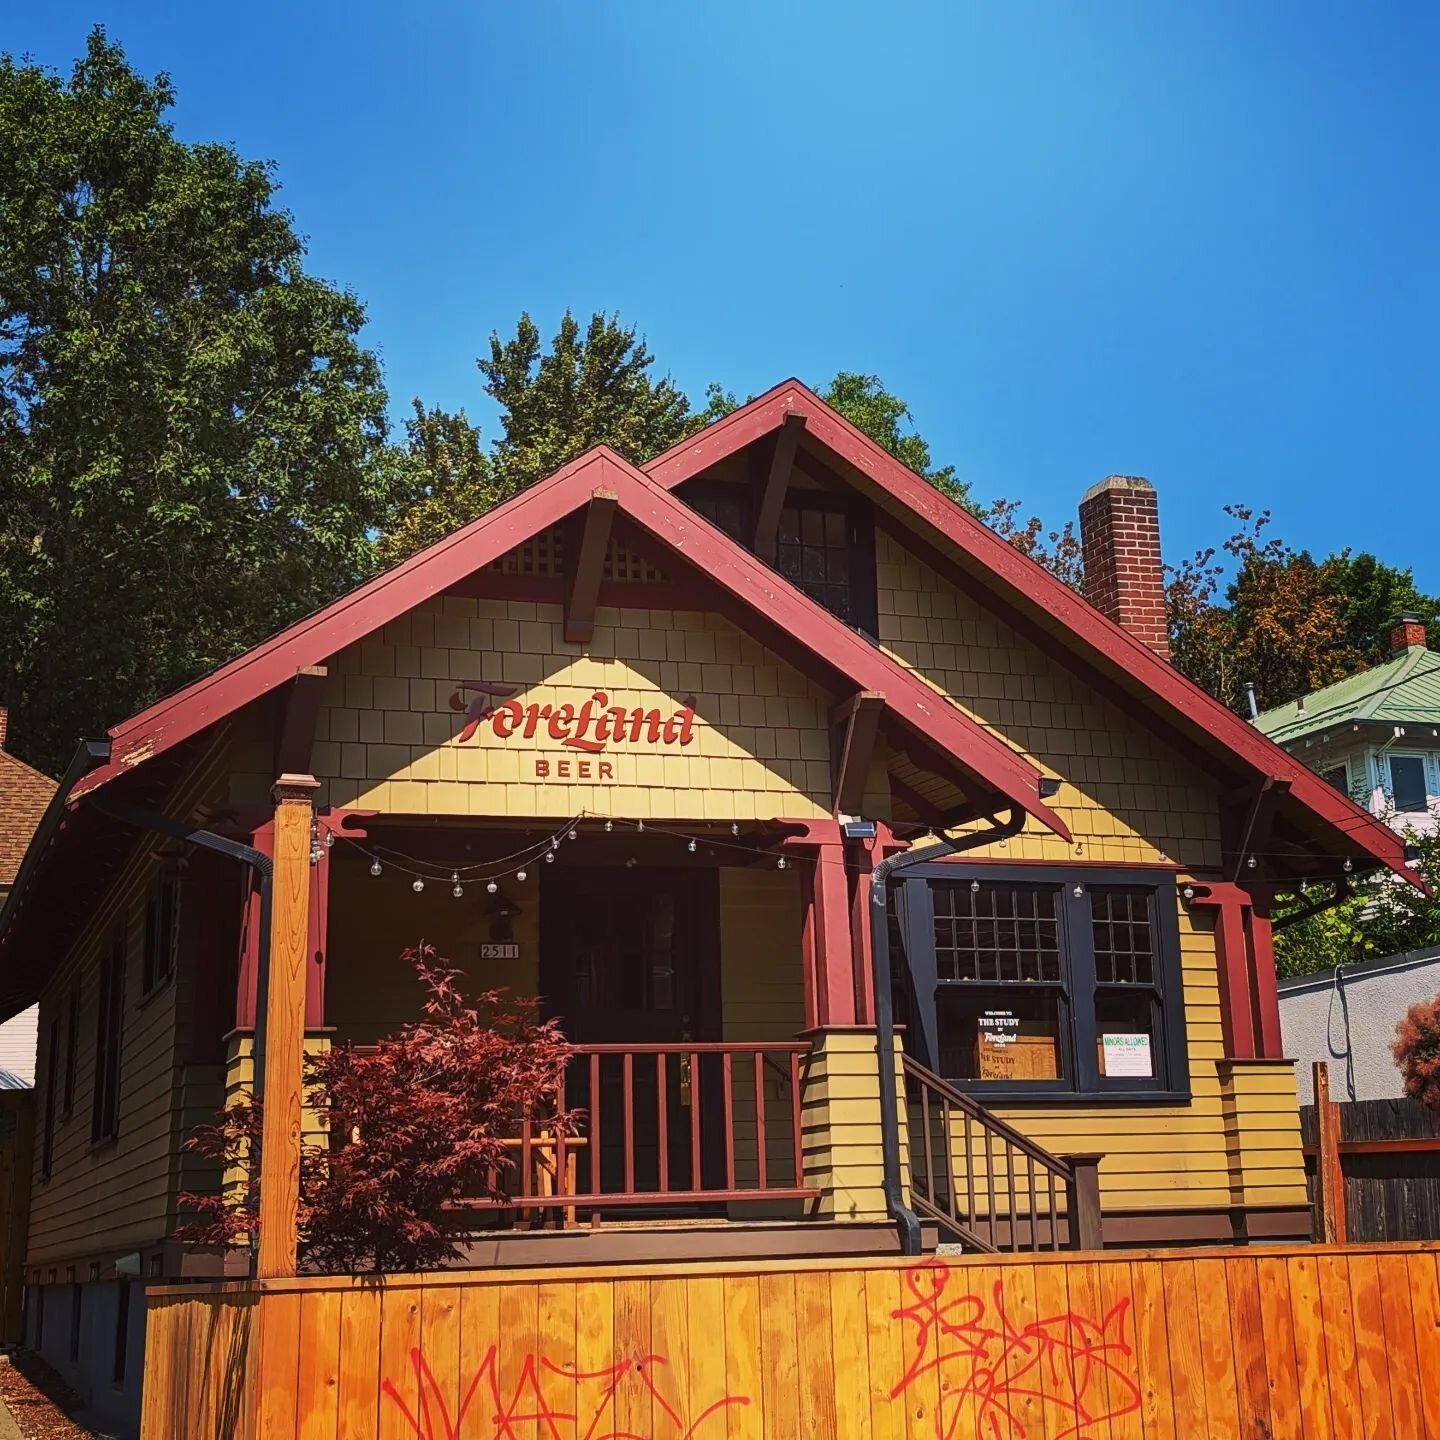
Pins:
x: 670, y: 747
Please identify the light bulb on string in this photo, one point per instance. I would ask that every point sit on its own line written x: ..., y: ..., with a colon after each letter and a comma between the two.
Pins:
x: 640, y: 825
x: 734, y: 827
x: 458, y: 892
x: 574, y: 834
x: 329, y: 839
x: 609, y: 826
x: 549, y: 857
x: 375, y: 866
x: 418, y: 886
x: 491, y: 887
x: 520, y: 875
x: 691, y: 847
x: 782, y: 863
x: 1349, y: 865
x: 974, y: 887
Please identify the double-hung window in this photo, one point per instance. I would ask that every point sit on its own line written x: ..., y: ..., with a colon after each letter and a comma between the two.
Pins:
x: 1043, y: 981
x: 1409, y: 792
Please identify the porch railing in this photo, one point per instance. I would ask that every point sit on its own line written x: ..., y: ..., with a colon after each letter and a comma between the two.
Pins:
x: 674, y: 1126
x: 993, y: 1188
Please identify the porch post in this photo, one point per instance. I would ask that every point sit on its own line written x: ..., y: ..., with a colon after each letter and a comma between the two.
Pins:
x: 281, y: 1032
x: 828, y: 954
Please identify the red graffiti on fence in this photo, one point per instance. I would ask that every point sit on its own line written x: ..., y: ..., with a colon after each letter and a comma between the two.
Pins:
x: 551, y: 1401
x: 1068, y: 1363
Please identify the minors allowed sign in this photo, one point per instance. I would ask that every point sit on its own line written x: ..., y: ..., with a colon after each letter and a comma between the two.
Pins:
x: 1126, y: 1055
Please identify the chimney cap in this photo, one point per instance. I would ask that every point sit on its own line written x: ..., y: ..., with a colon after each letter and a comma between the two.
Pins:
x: 1117, y: 482
x: 1407, y: 617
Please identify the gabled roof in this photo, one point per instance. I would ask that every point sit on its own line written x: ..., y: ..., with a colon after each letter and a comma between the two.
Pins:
x: 24, y: 794
x: 688, y: 541
x: 1403, y: 690
x: 1079, y: 636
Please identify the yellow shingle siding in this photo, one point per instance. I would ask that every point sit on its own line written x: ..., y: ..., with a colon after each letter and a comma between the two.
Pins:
x: 388, y: 735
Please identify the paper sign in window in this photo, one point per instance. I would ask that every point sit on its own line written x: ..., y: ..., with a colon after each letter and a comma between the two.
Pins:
x: 1123, y: 1055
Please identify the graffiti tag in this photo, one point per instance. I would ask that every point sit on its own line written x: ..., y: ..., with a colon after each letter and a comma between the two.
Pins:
x: 1069, y: 1366
x: 555, y: 1402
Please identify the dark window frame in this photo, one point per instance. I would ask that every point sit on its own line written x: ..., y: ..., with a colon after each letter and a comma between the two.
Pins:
x: 109, y: 1036
x: 864, y: 608
x: 72, y: 1051
x: 1392, y: 790
x: 162, y: 929
x: 1341, y: 769
x: 52, y: 1081
x: 1081, y: 1082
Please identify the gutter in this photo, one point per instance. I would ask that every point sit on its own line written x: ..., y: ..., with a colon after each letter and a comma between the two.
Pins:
x: 906, y: 1221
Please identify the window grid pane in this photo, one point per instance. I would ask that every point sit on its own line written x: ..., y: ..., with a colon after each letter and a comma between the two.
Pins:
x: 1124, y: 934
x: 996, y: 932
x: 813, y: 552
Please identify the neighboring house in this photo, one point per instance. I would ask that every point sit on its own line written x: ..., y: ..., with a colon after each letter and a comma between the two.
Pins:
x: 1375, y: 736
x: 1347, y: 1017
x: 636, y: 740
x: 24, y: 794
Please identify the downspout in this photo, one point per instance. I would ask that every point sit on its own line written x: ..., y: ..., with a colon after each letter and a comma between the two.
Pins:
x: 906, y: 1222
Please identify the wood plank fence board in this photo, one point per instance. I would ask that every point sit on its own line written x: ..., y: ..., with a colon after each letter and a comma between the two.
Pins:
x: 1303, y: 1343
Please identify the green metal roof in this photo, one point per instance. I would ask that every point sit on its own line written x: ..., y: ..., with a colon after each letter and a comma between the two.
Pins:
x: 1404, y: 690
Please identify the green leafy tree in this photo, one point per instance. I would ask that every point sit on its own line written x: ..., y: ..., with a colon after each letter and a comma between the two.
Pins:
x: 590, y: 387
x: 1383, y: 917
x: 1373, y: 594
x: 865, y: 402
x: 191, y: 437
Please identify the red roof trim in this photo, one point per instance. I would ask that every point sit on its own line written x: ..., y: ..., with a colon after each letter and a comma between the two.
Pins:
x: 1033, y: 587
x: 714, y: 556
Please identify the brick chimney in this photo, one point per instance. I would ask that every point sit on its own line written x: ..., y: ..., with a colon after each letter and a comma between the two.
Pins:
x: 1406, y: 631
x: 1120, y: 536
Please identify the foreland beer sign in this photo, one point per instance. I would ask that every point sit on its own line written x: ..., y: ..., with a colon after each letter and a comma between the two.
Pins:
x: 595, y: 728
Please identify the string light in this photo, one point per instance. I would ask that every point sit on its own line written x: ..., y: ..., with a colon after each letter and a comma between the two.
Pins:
x: 458, y: 892
x: 418, y: 886
x: 549, y: 857
x: 375, y: 866
x: 491, y: 887
x: 734, y: 827
x: 609, y: 826
x: 690, y: 846
x: 520, y: 876
x: 782, y: 863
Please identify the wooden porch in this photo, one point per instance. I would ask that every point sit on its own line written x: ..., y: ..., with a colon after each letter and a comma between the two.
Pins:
x: 1284, y: 1343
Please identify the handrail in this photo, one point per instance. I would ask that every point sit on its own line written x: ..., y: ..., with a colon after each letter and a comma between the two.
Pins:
x: 987, y: 1118
x: 949, y: 1186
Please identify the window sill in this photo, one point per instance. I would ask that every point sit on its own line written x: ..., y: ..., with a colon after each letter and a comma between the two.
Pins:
x: 1069, y: 1099
x: 106, y: 1142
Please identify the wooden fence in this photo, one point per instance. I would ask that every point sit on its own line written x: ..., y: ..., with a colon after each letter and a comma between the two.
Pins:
x: 1387, y: 1154
x: 1295, y: 1344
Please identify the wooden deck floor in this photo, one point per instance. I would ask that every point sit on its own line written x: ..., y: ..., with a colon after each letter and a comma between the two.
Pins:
x: 1303, y: 1343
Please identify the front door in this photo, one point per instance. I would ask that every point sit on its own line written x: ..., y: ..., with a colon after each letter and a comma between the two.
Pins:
x: 628, y: 957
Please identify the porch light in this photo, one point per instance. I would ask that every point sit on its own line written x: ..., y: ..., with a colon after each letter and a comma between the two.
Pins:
x: 375, y: 866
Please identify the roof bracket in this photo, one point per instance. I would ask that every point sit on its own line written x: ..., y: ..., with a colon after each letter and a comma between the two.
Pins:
x: 854, y: 729
x: 772, y: 497
x: 586, y: 540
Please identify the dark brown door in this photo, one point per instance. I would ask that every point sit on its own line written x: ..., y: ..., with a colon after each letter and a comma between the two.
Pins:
x: 628, y: 957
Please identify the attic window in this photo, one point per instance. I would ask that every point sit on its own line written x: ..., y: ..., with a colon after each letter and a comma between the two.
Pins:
x: 1338, y: 778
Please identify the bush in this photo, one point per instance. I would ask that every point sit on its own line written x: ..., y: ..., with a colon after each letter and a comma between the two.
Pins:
x: 1417, y: 1052
x: 412, y: 1126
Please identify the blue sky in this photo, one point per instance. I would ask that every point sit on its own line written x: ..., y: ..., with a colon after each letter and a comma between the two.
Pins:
x: 1195, y: 242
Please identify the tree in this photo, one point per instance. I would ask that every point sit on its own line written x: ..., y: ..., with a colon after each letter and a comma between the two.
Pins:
x: 865, y: 402
x: 1417, y: 1052
x: 1383, y: 917
x: 1373, y: 594
x: 1281, y: 627
x: 413, y: 1126
x: 587, y: 389
x: 191, y: 437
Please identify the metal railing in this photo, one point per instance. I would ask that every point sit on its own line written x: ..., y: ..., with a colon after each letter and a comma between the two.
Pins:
x: 991, y: 1187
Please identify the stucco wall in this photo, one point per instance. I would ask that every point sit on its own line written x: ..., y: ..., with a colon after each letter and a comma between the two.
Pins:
x: 1351, y: 1022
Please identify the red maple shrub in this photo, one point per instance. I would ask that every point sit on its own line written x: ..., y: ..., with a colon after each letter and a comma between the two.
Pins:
x: 411, y: 1126
x: 1417, y: 1052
